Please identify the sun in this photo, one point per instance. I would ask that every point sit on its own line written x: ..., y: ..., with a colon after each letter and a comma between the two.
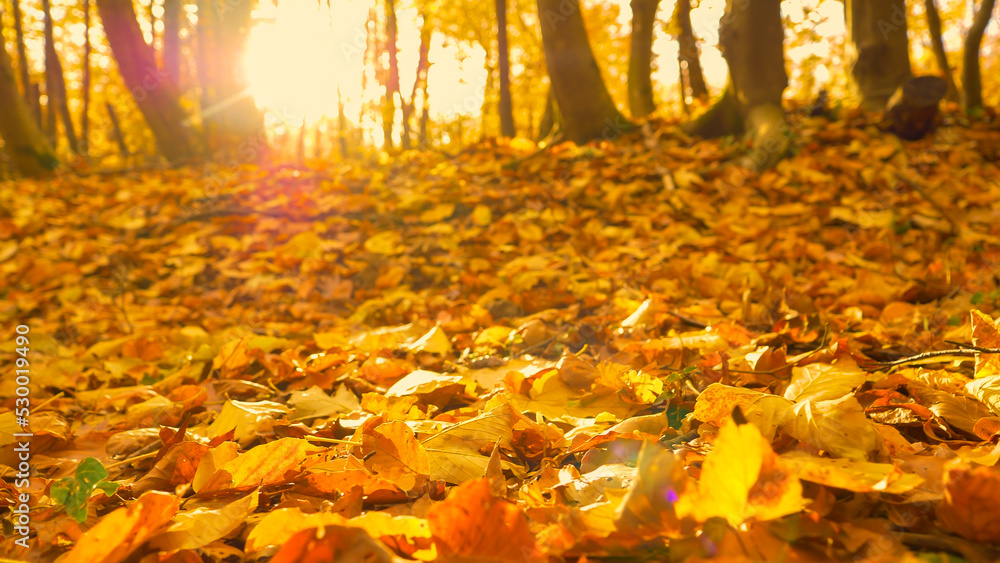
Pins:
x: 296, y: 62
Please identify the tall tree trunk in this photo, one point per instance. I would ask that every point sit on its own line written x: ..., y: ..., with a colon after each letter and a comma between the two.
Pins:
x: 937, y: 45
x: 688, y: 54
x: 22, y: 54
x: 640, y: 61
x: 881, y: 56
x: 506, y: 107
x: 85, y: 87
x: 56, y: 81
x: 24, y: 142
x: 172, y: 14
x: 750, y: 35
x: 392, y: 81
x: 228, y: 110
x: 154, y: 92
x: 420, y: 81
x: 972, y: 82
x: 116, y: 130
x: 588, y: 112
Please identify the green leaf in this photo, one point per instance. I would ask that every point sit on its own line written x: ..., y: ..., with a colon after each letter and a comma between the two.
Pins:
x: 74, y: 492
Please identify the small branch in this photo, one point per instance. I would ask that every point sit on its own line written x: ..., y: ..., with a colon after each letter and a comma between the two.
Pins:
x: 933, y: 354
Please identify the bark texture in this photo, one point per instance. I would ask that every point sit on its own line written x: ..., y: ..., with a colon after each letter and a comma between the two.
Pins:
x: 640, y: 62
x: 154, y: 92
x: 880, y: 58
x: 586, y: 107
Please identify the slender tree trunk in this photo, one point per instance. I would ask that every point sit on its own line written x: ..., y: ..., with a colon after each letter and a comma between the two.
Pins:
x: 881, y: 56
x: 172, y: 13
x: 116, y: 130
x: 56, y: 81
x: 85, y: 87
x: 588, y: 112
x: 751, y: 35
x: 155, y: 94
x: 24, y: 142
x: 688, y: 54
x: 937, y: 45
x: 506, y: 107
x: 972, y: 82
x: 392, y: 81
x: 640, y: 62
x: 22, y: 56
x: 423, y: 65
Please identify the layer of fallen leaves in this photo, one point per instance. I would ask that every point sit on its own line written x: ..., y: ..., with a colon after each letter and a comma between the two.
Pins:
x: 623, y: 350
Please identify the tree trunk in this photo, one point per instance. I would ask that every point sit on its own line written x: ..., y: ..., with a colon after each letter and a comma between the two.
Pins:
x: 56, y: 81
x: 688, y: 54
x: 506, y: 107
x: 22, y: 54
x: 229, y: 112
x: 750, y: 35
x: 392, y: 81
x: 85, y: 87
x: 588, y: 112
x: 937, y: 45
x: 116, y: 130
x: 640, y: 61
x: 24, y: 142
x: 154, y: 92
x: 972, y: 82
x: 172, y: 13
x: 881, y: 56
x: 419, y: 81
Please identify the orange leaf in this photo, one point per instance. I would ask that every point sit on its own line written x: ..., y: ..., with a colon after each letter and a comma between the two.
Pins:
x: 473, y: 523
x: 118, y: 534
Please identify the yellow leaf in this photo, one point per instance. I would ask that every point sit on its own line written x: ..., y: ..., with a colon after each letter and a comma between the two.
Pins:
x: 985, y: 335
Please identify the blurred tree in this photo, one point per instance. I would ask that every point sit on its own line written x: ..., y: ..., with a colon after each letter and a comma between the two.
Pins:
x: 23, y: 140
x: 688, y: 54
x: 586, y: 107
x: 640, y: 83
x: 972, y: 81
x: 392, y: 80
x: 750, y: 35
x: 55, y: 85
x: 881, y: 53
x: 153, y: 90
x: 505, y: 108
x: 937, y: 46
x: 29, y: 93
x: 85, y: 83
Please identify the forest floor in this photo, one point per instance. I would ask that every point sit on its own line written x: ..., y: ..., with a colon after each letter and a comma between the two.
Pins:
x: 626, y: 350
